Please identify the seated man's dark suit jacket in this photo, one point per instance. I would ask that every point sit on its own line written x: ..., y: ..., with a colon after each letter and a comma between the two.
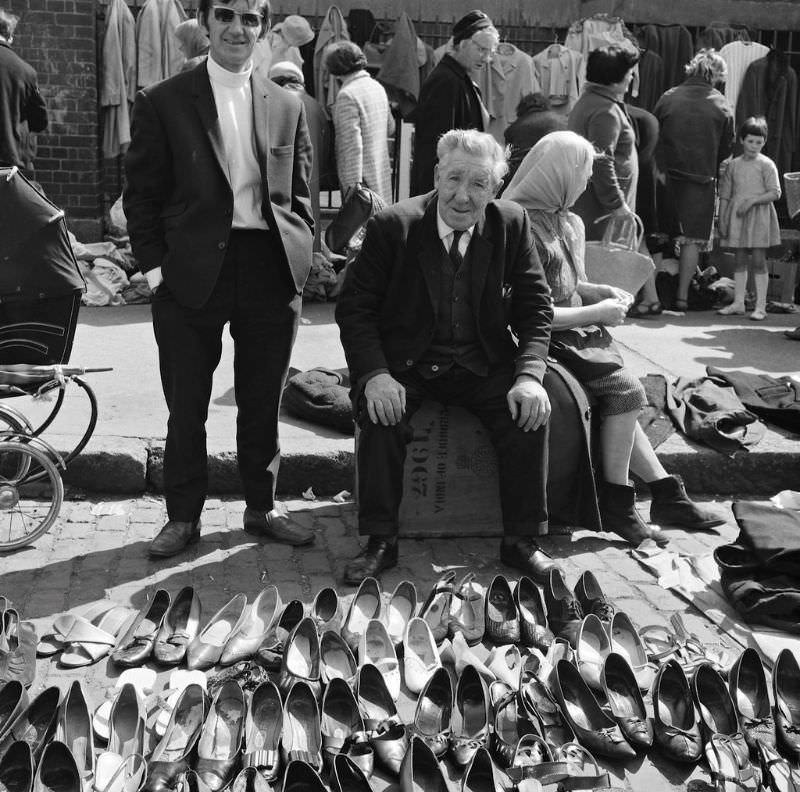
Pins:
x: 178, y: 201
x: 386, y: 309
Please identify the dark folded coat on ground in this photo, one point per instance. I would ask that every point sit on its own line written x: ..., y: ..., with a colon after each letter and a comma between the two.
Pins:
x: 760, y: 572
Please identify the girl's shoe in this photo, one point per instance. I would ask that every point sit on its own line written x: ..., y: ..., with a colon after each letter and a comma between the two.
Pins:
x: 758, y: 315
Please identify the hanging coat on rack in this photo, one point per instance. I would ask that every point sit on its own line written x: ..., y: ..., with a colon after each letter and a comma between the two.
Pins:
x: 118, y: 77
x: 159, y: 54
x: 738, y: 55
x: 399, y: 72
x: 333, y: 29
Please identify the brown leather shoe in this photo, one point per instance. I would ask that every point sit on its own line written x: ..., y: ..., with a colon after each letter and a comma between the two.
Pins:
x: 175, y: 536
x: 380, y: 553
x: 276, y: 525
x: 523, y: 553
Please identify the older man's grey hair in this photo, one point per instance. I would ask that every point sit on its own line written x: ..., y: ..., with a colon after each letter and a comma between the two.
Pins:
x: 476, y: 144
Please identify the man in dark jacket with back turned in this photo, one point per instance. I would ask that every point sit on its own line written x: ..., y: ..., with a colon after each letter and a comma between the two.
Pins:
x: 20, y: 100
x: 425, y: 312
x: 449, y: 99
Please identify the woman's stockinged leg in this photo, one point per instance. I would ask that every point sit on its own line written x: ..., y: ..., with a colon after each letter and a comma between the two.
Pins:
x: 761, y: 278
x: 616, y: 444
x: 690, y: 256
x: 644, y: 462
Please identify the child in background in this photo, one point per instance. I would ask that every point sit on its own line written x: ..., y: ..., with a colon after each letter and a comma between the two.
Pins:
x: 748, y: 222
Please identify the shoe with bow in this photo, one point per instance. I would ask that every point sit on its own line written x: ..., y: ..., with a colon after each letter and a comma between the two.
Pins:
x: 342, y: 728
x: 675, y: 728
x: 786, y: 692
x: 302, y: 738
x: 262, y: 731
x: 625, y: 701
x: 471, y: 720
x: 432, y: 715
x: 179, y: 628
x: 747, y: 683
x: 717, y: 712
x: 136, y: 645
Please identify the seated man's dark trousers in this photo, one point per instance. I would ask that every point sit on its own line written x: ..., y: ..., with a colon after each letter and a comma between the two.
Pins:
x: 522, y: 456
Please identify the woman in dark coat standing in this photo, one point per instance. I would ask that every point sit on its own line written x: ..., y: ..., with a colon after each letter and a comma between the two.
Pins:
x: 696, y: 135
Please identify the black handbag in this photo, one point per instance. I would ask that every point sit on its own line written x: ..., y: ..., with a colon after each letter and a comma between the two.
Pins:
x: 588, y: 352
x: 358, y: 205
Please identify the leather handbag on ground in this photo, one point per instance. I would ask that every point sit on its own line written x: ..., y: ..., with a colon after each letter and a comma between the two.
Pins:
x: 359, y: 203
x: 589, y: 352
x: 616, y: 260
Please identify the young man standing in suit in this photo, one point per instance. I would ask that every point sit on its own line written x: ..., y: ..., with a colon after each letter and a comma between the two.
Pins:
x: 220, y: 220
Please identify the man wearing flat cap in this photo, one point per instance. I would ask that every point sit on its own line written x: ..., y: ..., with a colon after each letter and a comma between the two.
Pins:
x: 449, y: 98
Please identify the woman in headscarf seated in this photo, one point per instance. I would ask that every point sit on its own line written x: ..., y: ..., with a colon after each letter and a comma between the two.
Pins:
x: 548, y: 182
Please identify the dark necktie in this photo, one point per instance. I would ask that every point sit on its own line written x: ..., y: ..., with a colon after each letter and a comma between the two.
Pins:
x: 454, y: 252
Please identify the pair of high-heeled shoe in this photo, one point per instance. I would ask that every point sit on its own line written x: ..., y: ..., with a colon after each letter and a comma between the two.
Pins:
x: 17, y: 646
x: 518, y: 616
x: 455, y: 607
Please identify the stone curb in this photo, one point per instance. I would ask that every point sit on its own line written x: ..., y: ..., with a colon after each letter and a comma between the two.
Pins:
x: 130, y: 466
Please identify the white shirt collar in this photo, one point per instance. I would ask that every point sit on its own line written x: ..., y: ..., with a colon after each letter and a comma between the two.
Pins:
x: 228, y: 79
x: 445, y: 232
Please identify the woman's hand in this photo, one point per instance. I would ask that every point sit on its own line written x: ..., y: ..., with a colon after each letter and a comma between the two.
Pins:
x: 744, y: 207
x: 611, y: 312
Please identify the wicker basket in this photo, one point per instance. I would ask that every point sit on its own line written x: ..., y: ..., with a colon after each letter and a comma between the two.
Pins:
x: 791, y: 183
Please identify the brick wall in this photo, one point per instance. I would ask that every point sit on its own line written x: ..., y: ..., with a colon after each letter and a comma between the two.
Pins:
x: 59, y: 39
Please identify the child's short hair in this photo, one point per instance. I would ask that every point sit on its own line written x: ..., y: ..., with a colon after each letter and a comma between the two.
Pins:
x: 755, y: 125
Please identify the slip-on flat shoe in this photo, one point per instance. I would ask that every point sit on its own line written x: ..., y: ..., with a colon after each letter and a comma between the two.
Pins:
x: 420, y: 656
x: 84, y: 642
x: 625, y: 640
x: 387, y: 733
x: 545, y: 712
x: 136, y: 645
x: 471, y: 721
x: 171, y: 756
x: 336, y: 661
x: 526, y: 555
x: 20, y: 648
x: 786, y: 695
x: 178, y: 629
x: 174, y: 537
x: 533, y: 628
x: 480, y: 775
x: 16, y: 768
x: 420, y: 769
x: 366, y: 605
x: 595, y: 730
x: 278, y: 526
x: 127, y: 722
x: 302, y: 738
x: 326, y: 610
x: 74, y: 729
x: 675, y: 728
x: 270, y: 652
x: 433, y: 712
x: 591, y: 649
x: 747, y: 682
x: 379, y: 554
x: 248, y: 779
x: 502, y: 617
x: 401, y: 608
x: 715, y: 707
x: 377, y: 647
x: 13, y: 700
x: 262, y: 732
x: 564, y: 612
x: 625, y: 701
x: 57, y: 771
x: 220, y: 741
x: 302, y: 777
x: 436, y: 608
x: 35, y: 724
x: 592, y: 599
x: 207, y: 647
x: 347, y: 776
x: 509, y: 724
x: 343, y: 729
x: 300, y: 660
x: 467, y: 610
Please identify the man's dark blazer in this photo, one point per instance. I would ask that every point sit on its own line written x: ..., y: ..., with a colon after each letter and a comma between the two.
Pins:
x: 178, y: 200
x: 448, y: 99
x: 386, y: 310
x: 20, y: 101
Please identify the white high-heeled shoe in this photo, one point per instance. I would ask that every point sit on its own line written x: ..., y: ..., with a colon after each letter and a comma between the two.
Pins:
x: 377, y: 648
x: 420, y: 658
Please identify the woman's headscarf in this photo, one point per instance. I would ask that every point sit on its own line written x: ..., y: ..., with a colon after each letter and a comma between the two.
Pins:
x: 551, y: 177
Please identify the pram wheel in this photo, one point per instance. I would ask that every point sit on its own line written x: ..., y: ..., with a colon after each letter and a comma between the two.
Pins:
x: 27, y: 508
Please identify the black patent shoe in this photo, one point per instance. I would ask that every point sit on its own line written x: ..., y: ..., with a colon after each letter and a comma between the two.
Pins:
x: 675, y: 728
x: 786, y: 690
x: 379, y: 554
x: 747, y: 682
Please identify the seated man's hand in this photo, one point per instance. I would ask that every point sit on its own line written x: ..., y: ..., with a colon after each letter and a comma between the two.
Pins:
x: 528, y: 403
x: 386, y: 399
x: 611, y: 312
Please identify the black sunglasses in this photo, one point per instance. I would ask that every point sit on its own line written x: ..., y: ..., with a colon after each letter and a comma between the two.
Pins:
x: 226, y: 15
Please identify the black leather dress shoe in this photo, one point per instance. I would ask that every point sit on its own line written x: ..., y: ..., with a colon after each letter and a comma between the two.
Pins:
x: 276, y: 525
x: 526, y: 555
x: 174, y: 537
x: 380, y: 553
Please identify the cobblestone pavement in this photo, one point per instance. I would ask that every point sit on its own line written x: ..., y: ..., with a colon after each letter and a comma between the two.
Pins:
x: 88, y: 557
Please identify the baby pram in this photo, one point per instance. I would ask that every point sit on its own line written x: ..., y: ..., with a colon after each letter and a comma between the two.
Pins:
x: 40, y: 295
